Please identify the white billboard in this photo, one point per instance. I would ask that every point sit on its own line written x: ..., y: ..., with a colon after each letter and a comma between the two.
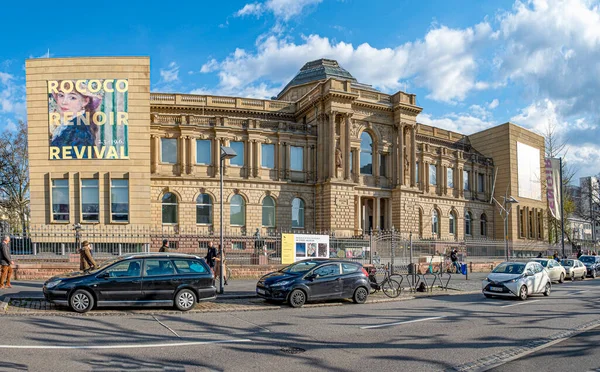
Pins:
x: 528, y: 170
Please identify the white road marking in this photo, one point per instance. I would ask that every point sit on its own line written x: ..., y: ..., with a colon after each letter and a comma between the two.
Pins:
x: 122, y: 346
x: 166, y: 326
x: 521, y: 303
x: 398, y: 323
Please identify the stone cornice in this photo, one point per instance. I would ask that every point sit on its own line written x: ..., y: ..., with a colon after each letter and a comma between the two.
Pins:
x: 408, y: 108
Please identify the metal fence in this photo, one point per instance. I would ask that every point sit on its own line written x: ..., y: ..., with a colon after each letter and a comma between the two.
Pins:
x: 383, y: 247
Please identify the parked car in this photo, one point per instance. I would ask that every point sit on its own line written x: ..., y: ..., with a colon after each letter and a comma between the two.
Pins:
x: 139, y: 280
x: 555, y: 270
x: 574, y: 269
x: 315, y: 279
x: 517, y: 279
x: 592, y: 265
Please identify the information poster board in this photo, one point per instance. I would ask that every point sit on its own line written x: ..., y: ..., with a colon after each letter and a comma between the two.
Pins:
x: 298, y: 247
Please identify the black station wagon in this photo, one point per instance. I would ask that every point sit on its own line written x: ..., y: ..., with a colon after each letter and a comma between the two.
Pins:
x: 140, y: 280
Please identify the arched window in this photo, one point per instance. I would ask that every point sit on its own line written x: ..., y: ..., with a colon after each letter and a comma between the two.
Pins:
x: 169, y: 208
x: 435, y: 220
x: 268, y: 212
x: 483, y: 225
x: 237, y: 211
x: 204, y: 209
x: 452, y: 224
x: 468, y: 221
x: 297, y: 213
x: 366, y: 153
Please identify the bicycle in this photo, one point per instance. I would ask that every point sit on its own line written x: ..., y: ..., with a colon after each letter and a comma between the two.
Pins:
x: 390, y: 287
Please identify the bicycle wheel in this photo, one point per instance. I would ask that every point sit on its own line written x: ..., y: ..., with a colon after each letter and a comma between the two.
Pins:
x: 391, y: 288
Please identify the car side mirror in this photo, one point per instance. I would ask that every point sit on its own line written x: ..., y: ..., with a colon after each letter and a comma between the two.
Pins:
x: 104, y: 275
x: 528, y: 273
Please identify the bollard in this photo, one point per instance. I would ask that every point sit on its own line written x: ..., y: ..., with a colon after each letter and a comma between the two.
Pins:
x: 35, y: 249
x: 62, y: 248
x: 120, y: 249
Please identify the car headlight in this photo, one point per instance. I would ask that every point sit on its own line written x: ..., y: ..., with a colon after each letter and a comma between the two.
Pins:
x: 281, y: 284
x: 53, y: 284
x: 488, y: 280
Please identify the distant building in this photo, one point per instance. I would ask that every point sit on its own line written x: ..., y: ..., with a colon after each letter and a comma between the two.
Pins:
x: 589, y: 203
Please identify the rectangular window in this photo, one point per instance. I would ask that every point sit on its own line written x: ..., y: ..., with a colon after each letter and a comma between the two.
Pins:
x: 119, y: 200
x: 417, y: 172
x: 521, y: 223
x: 204, y: 152
x: 450, y: 177
x: 481, y: 182
x: 466, y: 180
x: 168, y: 151
x: 238, y: 147
x: 60, y: 200
x: 530, y: 224
x: 267, y: 156
x: 383, y: 165
x: 432, y: 174
x: 238, y: 245
x: 297, y: 158
x: 90, y: 201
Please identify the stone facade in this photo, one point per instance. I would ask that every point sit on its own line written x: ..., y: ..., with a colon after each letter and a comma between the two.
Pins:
x: 366, y: 163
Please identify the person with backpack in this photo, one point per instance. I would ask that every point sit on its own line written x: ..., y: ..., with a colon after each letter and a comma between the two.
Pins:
x: 454, y: 259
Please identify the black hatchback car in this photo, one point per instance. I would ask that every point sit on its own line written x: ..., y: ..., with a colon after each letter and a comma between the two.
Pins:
x: 592, y: 265
x: 316, y: 279
x: 139, y: 280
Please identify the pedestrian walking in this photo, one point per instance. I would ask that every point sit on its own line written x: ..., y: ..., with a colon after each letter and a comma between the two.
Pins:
x: 257, y: 241
x: 556, y: 257
x: 218, y: 265
x: 539, y: 255
x: 211, y: 256
x: 579, y: 253
x: 86, y: 261
x: 165, y: 247
x: 454, y: 259
x: 5, y: 263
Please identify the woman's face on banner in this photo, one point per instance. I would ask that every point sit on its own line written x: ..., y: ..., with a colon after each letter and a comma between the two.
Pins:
x: 71, y: 102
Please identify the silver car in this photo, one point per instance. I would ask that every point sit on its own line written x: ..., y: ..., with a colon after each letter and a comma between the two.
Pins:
x: 555, y: 270
x: 575, y: 269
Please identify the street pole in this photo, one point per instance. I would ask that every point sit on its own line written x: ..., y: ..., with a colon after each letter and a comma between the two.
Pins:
x: 221, y: 229
x: 506, y: 231
x: 562, y: 213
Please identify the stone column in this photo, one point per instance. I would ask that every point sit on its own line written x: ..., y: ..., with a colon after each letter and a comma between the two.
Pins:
x: 400, y: 178
x: 331, y: 150
x: 389, y: 214
x: 320, y: 157
x: 425, y: 176
x: 413, y: 156
x: 356, y: 163
x: 377, y: 213
x: 445, y: 179
x: 357, y: 210
x: 305, y: 162
x: 182, y: 154
x: 257, y: 159
x: 461, y: 182
x: 216, y: 156
x: 155, y: 152
x: 287, y: 152
x: 347, y: 147
x: 277, y: 160
x: 250, y: 164
x: 192, y: 152
x: 226, y: 162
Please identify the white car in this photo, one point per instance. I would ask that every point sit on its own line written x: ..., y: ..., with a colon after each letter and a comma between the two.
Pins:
x: 556, y: 272
x: 574, y: 269
x: 517, y: 279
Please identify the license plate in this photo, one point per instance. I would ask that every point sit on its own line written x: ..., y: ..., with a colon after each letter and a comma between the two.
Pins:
x: 496, y: 289
x: 260, y: 291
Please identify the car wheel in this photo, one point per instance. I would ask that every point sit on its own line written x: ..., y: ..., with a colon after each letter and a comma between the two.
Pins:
x: 523, y: 293
x: 81, y: 301
x: 297, y: 298
x: 572, y: 277
x: 547, y: 289
x: 185, y: 300
x: 594, y: 274
x: 562, y: 278
x: 584, y: 275
x: 360, y: 295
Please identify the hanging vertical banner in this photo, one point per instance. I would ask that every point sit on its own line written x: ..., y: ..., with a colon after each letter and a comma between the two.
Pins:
x: 553, y: 188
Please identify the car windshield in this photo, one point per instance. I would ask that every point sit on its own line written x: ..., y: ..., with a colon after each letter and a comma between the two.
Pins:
x: 567, y: 262
x: 104, y: 265
x: 587, y: 259
x: 509, y: 268
x: 542, y: 262
x: 300, y: 267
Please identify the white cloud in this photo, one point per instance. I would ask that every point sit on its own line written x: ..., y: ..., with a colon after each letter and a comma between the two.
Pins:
x: 282, y: 9
x: 210, y: 66
x: 262, y: 91
x: 170, y: 74
x: 585, y: 158
x: 443, y: 62
x: 11, y: 126
x: 5, y: 77
x: 492, y: 105
x: 12, y: 96
x: 463, y: 123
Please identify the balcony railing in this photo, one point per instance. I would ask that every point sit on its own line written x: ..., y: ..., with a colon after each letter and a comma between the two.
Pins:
x: 220, y: 101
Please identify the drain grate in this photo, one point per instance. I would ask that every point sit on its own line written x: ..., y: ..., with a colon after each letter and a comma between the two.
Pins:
x: 292, y: 350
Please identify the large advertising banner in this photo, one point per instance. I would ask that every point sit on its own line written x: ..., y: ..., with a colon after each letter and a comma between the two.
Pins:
x: 528, y: 172
x: 88, y: 119
x: 553, y: 188
x: 297, y: 247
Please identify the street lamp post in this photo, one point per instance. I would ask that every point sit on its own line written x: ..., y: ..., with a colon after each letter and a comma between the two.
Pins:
x: 226, y: 153
x: 508, y: 202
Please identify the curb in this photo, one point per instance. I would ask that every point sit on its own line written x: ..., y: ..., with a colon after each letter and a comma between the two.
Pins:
x: 4, y: 304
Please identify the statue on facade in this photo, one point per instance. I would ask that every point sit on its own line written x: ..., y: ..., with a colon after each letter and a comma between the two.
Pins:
x: 406, y: 166
x: 338, y: 157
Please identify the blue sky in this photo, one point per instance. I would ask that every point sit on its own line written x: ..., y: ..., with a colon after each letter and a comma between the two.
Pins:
x: 473, y: 64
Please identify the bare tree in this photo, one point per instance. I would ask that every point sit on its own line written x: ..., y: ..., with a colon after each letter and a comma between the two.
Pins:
x: 14, y: 175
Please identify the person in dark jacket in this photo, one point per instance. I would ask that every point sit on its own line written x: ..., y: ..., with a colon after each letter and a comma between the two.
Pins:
x: 454, y: 259
x: 86, y: 261
x: 211, y: 256
x: 555, y: 256
x: 539, y: 255
x: 5, y: 263
x: 165, y: 247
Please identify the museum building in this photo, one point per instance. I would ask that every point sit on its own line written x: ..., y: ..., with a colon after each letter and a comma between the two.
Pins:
x: 328, y: 153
